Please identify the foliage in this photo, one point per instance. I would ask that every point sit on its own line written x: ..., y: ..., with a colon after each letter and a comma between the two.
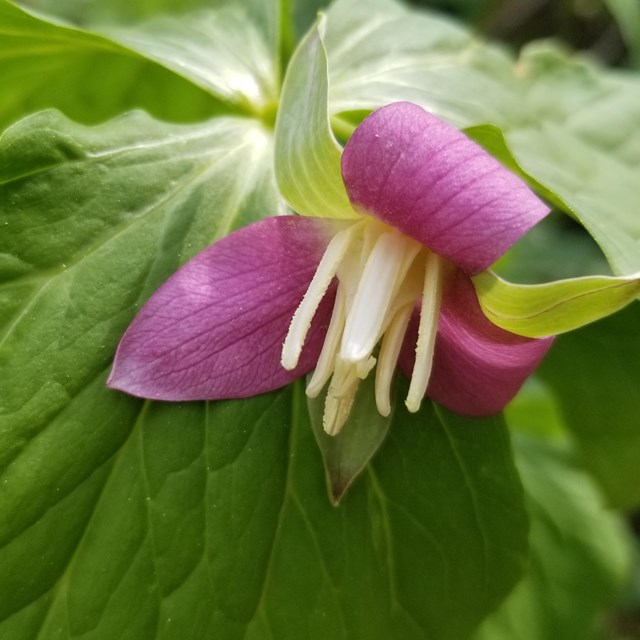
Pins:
x: 133, y: 139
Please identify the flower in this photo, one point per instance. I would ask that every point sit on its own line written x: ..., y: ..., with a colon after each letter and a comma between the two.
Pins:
x: 390, y: 286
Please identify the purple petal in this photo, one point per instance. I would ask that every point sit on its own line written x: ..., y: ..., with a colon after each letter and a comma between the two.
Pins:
x: 427, y: 179
x: 215, y: 329
x: 477, y: 367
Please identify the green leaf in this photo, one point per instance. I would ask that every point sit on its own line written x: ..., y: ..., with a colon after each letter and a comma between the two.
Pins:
x: 229, y: 48
x: 582, y: 141
x: 122, y: 517
x: 93, y: 220
x: 224, y: 504
x: 580, y: 553
x: 222, y: 51
x: 492, y: 139
x: 627, y: 15
x: 595, y: 373
x: 307, y: 156
x: 380, y: 52
x: 87, y: 76
x: 126, y: 12
x: 537, y: 310
x: 347, y: 453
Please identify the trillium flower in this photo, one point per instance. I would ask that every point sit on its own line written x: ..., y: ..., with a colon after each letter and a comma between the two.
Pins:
x: 389, y: 286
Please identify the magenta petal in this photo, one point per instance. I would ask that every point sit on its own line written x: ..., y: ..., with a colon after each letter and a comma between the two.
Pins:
x: 215, y: 329
x: 477, y: 367
x: 427, y: 179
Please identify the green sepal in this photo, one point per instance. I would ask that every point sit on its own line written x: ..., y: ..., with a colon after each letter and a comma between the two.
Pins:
x: 307, y: 156
x: 537, y: 310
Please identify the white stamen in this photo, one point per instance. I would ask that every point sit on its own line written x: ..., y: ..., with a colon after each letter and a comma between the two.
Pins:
x: 427, y: 329
x: 381, y: 274
x: 303, y: 316
x: 388, y: 357
x: 326, y: 360
x: 385, y: 268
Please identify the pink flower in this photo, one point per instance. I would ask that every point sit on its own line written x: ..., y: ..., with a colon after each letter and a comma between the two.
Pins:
x: 390, y: 286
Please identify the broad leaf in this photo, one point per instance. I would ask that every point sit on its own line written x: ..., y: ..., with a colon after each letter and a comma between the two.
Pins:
x: 213, y: 520
x: 556, y: 307
x: 583, y: 143
x: 627, y: 15
x: 595, y: 374
x: 126, y: 204
x: 223, y: 51
x: 580, y: 554
x: 263, y: 14
x: 202, y: 520
x: 307, y: 156
x: 87, y: 76
x: 381, y: 52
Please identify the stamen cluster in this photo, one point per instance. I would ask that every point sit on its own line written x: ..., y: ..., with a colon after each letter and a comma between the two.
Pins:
x: 382, y: 275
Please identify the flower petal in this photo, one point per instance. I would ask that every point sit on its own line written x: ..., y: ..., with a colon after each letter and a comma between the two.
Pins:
x: 215, y: 329
x: 427, y: 179
x: 477, y: 367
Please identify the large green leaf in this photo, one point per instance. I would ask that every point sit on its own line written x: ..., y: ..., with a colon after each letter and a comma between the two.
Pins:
x: 93, y: 219
x: 582, y: 141
x: 580, y: 553
x: 89, y: 77
x: 213, y: 522
x: 223, y: 51
x: 230, y: 46
x: 380, y: 52
x: 595, y: 373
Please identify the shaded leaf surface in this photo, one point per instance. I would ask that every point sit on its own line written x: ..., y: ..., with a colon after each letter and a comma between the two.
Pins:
x: 595, y: 373
x: 88, y: 76
x: 213, y: 521
x: 579, y: 552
